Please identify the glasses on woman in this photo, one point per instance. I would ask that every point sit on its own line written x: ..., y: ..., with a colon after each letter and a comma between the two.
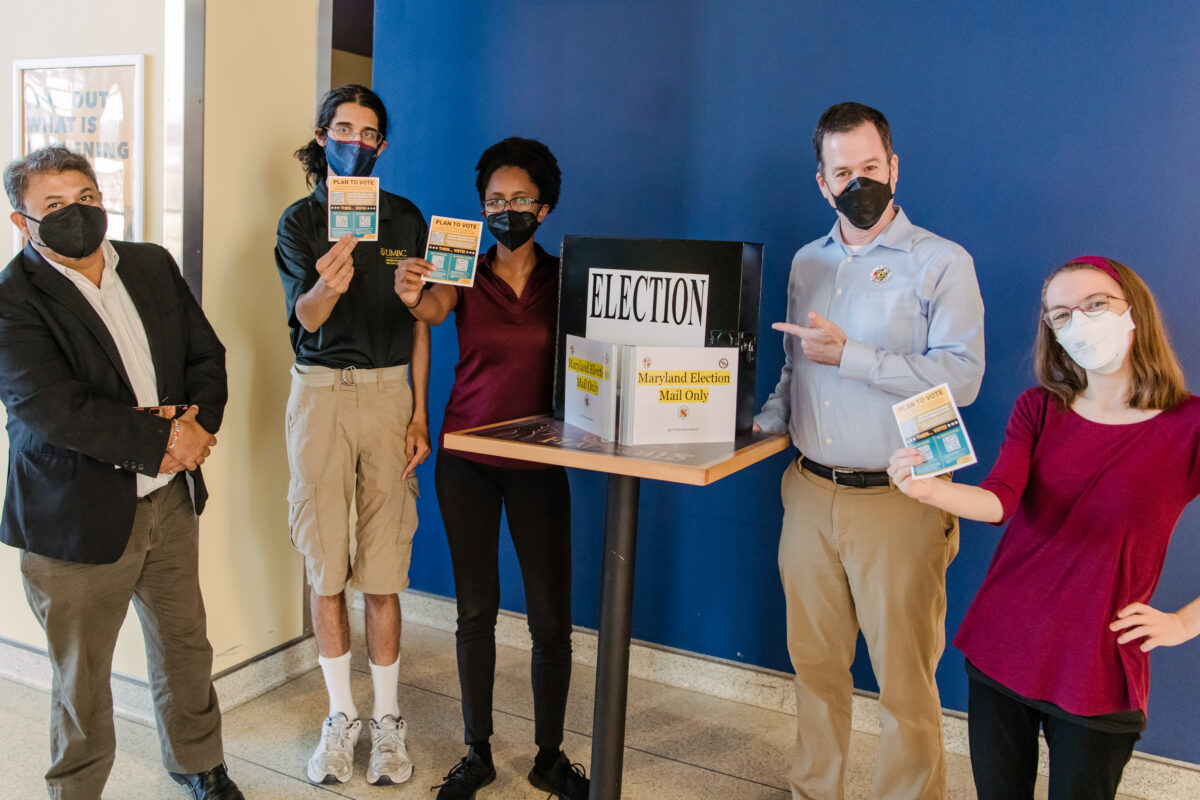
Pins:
x: 1093, y: 306
x: 346, y: 133
x: 496, y: 204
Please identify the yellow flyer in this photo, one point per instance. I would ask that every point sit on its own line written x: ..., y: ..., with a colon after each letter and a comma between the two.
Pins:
x: 930, y: 422
x: 453, y: 249
x: 353, y: 207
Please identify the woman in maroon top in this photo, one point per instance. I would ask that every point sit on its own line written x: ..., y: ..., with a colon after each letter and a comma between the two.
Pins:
x: 506, y: 337
x: 1096, y: 467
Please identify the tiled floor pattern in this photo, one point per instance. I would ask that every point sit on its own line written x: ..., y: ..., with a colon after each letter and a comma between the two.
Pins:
x: 679, y: 744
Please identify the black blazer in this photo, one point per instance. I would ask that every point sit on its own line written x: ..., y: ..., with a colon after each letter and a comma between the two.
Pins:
x: 75, y: 440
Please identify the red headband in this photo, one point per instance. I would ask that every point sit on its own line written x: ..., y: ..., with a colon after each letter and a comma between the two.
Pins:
x: 1099, y: 263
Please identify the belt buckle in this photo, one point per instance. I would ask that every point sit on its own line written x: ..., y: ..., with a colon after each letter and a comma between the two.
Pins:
x: 850, y: 475
x: 347, y: 376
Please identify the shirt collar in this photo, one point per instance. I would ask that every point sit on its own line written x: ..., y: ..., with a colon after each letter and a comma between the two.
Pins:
x: 898, y: 235
x: 110, y: 266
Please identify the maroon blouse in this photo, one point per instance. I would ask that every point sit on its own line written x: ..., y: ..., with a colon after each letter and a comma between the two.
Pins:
x: 505, y: 351
x: 1093, y: 507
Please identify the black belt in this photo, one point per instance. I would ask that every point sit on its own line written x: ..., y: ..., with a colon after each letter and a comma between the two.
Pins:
x: 854, y: 478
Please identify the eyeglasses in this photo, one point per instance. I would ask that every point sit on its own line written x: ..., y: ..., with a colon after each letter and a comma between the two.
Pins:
x: 346, y: 133
x: 1093, y: 306
x: 496, y: 204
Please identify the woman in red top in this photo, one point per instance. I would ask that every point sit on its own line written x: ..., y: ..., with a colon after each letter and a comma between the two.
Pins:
x: 506, y: 327
x: 1096, y: 467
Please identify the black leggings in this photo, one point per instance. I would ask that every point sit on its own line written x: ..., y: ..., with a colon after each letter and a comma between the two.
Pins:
x: 538, y: 506
x: 1085, y: 763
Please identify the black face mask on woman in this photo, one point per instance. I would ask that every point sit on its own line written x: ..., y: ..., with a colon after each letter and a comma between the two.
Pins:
x: 74, y: 231
x: 864, y: 201
x: 512, y: 228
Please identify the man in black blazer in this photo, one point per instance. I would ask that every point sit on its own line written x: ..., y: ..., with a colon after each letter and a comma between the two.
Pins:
x: 103, y: 495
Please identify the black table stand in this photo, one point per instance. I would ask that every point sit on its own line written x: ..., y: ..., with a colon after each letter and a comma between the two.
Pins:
x: 616, y: 620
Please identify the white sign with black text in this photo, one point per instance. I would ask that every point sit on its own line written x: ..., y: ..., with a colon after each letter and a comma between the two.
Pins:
x: 665, y: 309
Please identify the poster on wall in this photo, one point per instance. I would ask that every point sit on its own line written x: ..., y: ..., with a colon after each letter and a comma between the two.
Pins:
x: 95, y: 107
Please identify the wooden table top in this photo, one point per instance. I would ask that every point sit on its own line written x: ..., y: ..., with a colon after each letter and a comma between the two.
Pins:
x: 547, y: 440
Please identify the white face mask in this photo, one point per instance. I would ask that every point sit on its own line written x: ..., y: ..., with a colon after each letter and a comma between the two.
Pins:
x: 1097, y: 343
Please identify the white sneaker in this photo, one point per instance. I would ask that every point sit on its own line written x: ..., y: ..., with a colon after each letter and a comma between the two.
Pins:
x: 333, y: 760
x: 389, y: 755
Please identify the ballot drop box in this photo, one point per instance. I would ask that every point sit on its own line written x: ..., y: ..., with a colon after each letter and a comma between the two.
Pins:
x: 662, y: 292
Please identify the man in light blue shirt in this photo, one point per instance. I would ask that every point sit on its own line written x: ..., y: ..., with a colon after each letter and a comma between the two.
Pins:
x: 878, y: 310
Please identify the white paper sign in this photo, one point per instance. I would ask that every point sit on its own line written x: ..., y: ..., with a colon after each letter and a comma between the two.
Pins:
x: 667, y: 309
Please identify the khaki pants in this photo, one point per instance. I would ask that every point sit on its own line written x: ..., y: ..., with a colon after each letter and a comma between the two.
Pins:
x: 81, y: 608
x: 872, y: 559
x: 346, y: 434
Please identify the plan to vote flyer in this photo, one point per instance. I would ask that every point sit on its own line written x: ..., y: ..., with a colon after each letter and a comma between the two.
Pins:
x: 930, y: 422
x: 353, y: 208
x: 454, y: 249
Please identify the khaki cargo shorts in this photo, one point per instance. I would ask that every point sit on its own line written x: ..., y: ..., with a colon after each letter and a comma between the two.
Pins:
x: 345, y: 443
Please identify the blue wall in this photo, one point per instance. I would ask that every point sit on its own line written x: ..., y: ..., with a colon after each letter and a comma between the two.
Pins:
x: 1029, y: 132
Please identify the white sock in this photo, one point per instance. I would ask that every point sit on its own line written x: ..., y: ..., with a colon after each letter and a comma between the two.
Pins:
x: 386, y: 681
x: 337, y: 682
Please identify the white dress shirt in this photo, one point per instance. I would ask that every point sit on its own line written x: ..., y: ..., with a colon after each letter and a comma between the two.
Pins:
x: 910, y: 306
x: 115, y: 308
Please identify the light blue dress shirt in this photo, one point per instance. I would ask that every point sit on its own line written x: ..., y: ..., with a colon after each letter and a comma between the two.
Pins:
x: 910, y: 306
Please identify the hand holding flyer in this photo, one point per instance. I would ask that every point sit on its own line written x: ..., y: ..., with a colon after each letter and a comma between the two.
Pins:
x: 454, y: 249
x: 930, y: 422
x: 353, y: 207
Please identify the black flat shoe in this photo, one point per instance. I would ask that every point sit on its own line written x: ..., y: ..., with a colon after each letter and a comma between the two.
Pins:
x: 469, y: 775
x: 213, y: 784
x: 563, y: 780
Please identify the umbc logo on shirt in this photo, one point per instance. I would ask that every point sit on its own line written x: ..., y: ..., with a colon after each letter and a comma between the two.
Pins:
x: 392, y: 257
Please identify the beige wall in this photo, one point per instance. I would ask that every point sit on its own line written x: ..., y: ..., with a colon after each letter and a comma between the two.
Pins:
x: 260, y: 88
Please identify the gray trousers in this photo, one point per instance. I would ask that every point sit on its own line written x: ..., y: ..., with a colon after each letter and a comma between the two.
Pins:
x: 81, y: 608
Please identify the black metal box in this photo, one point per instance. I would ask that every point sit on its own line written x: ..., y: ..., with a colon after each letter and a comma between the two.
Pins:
x: 680, y: 292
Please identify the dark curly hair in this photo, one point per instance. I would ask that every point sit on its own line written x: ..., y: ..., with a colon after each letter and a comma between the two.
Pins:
x: 312, y: 155
x: 528, y: 154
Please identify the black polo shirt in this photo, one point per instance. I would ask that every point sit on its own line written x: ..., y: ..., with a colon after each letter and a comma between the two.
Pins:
x: 370, y: 327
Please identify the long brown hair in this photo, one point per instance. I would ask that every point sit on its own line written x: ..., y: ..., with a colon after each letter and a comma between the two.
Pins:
x: 1157, y: 378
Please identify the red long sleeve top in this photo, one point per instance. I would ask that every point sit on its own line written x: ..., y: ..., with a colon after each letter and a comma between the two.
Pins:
x: 1092, y: 509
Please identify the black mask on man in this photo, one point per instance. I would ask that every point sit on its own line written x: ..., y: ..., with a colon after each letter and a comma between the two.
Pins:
x: 512, y: 228
x: 864, y: 201
x: 74, y: 231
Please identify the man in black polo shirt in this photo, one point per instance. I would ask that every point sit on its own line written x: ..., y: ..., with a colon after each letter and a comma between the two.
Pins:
x: 355, y: 431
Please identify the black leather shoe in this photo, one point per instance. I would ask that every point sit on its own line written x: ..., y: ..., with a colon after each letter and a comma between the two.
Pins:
x: 213, y: 784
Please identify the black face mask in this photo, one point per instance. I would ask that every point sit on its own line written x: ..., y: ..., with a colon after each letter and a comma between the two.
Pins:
x: 512, y: 228
x: 74, y: 231
x: 864, y: 201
